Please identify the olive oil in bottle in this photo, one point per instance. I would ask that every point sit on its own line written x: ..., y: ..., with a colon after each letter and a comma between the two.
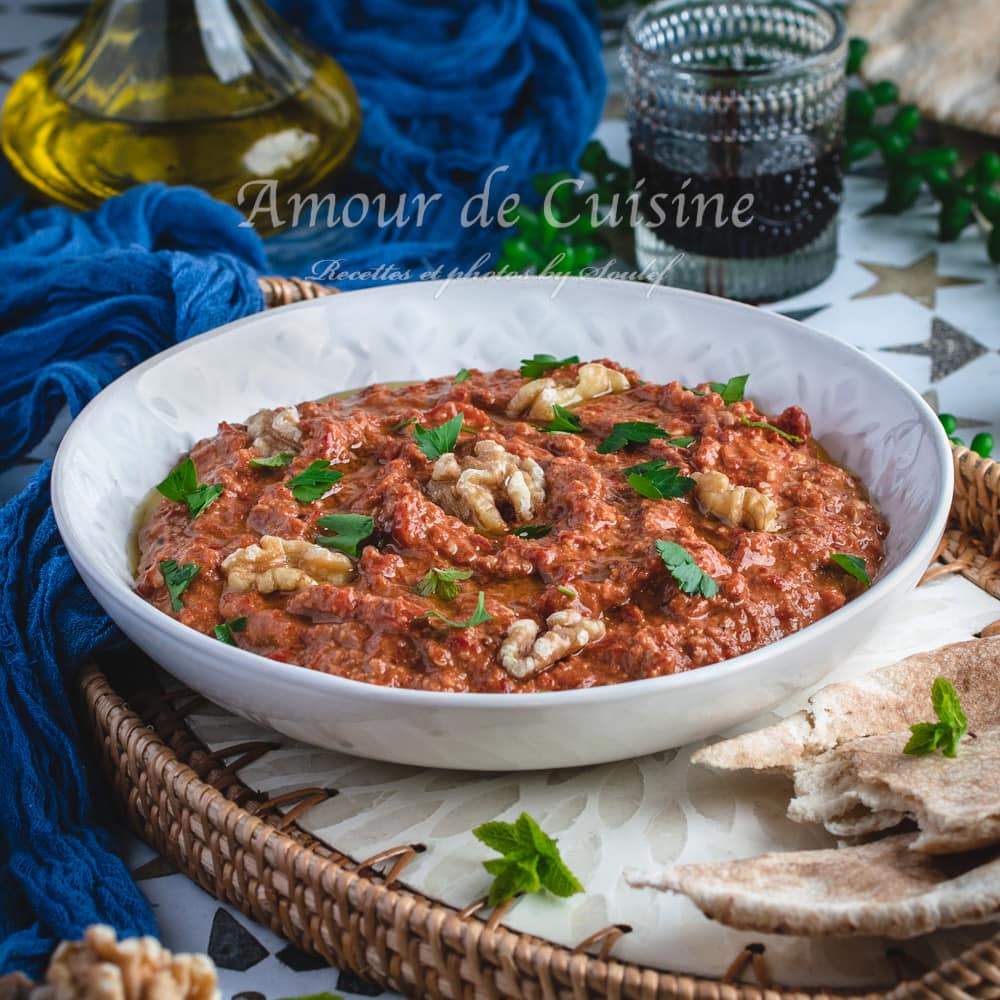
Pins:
x: 212, y: 93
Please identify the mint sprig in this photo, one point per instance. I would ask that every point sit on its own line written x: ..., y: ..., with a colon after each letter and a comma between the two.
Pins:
x: 530, y: 861
x: 945, y: 734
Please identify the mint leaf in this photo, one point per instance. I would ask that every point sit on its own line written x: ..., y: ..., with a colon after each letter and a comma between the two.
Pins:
x: 177, y: 579
x: 852, y: 565
x: 563, y: 421
x: 442, y: 583
x: 182, y: 480
x: 539, y: 364
x: 350, y: 531
x: 764, y: 425
x: 531, y: 860
x: 947, y: 733
x: 688, y: 575
x: 658, y: 481
x: 311, y: 483
x: 477, y: 618
x: 462, y: 375
x: 224, y: 633
x: 437, y: 441
x: 637, y: 432
x: 278, y: 461
x: 731, y: 391
x: 532, y: 530
x: 181, y: 486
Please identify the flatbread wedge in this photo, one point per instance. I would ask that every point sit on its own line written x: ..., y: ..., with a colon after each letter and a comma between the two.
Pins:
x: 888, y: 700
x: 881, y: 888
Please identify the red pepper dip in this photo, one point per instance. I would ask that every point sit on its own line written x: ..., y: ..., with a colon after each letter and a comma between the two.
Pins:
x: 567, y: 527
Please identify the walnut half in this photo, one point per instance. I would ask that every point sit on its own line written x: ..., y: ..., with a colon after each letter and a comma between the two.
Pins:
x: 284, y: 564
x: 536, y: 398
x: 471, y: 487
x: 100, y: 967
x: 275, y: 431
x: 524, y: 652
x: 740, y: 506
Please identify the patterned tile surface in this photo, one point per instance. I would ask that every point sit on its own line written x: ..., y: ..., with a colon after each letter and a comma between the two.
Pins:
x: 927, y: 311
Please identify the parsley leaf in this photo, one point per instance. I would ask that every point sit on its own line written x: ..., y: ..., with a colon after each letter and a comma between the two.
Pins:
x: 442, y: 582
x: 658, y: 481
x: 764, y: 425
x: 402, y: 425
x: 351, y: 530
x: 182, y: 486
x: 637, y: 432
x: 689, y: 576
x: 532, y: 530
x: 563, y: 421
x: 437, y: 441
x: 462, y: 375
x: 852, y: 565
x: 945, y: 735
x: 224, y: 633
x: 539, y: 364
x: 177, y: 579
x: 530, y: 860
x: 311, y: 483
x: 477, y: 618
x: 731, y: 391
x: 568, y: 591
x: 278, y: 461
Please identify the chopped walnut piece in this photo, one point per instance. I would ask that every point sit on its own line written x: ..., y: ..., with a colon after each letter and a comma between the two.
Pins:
x: 284, y: 564
x: 740, y: 506
x: 471, y: 487
x: 536, y: 398
x: 102, y: 968
x: 275, y: 431
x: 524, y: 652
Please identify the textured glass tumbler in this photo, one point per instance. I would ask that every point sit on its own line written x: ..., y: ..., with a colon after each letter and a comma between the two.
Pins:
x: 736, y: 116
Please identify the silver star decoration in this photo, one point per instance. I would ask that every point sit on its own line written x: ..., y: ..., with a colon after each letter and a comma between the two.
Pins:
x: 948, y: 348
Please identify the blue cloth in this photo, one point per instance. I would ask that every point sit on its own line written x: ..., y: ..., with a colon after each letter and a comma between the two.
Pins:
x: 450, y: 91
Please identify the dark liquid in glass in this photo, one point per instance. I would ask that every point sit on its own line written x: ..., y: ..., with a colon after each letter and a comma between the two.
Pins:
x: 790, y: 209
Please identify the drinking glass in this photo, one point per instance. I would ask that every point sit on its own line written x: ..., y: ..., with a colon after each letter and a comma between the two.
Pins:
x: 736, y: 115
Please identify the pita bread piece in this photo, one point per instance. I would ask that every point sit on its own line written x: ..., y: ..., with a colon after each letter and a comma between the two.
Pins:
x: 882, y: 888
x: 869, y: 785
x: 888, y: 700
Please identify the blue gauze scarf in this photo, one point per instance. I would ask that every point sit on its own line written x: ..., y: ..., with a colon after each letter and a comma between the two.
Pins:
x: 450, y: 90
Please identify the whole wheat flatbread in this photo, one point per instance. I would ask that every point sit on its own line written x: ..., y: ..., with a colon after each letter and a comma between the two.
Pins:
x: 888, y: 700
x: 943, y: 54
x: 869, y: 785
x: 882, y: 888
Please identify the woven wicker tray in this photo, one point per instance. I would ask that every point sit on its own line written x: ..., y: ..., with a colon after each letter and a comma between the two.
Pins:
x: 246, y: 848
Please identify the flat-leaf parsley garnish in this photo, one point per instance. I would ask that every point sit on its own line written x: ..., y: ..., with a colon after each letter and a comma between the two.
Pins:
x: 563, y: 421
x: 637, y: 432
x: 690, y: 577
x: 224, y: 632
x: 532, y: 530
x: 530, y: 860
x: 568, y: 591
x: 437, y: 441
x: 945, y: 734
x: 442, y: 583
x: 731, y: 391
x: 462, y: 375
x: 350, y: 531
x: 311, y: 483
x: 539, y: 364
x: 852, y: 565
x: 278, y: 461
x: 765, y: 426
x: 658, y: 481
x: 478, y: 616
x: 182, y: 486
x: 177, y: 579
x: 402, y: 425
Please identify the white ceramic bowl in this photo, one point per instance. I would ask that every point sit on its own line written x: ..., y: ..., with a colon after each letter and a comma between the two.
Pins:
x: 139, y: 426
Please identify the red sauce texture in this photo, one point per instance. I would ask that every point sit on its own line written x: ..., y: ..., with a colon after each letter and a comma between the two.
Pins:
x: 601, y: 546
